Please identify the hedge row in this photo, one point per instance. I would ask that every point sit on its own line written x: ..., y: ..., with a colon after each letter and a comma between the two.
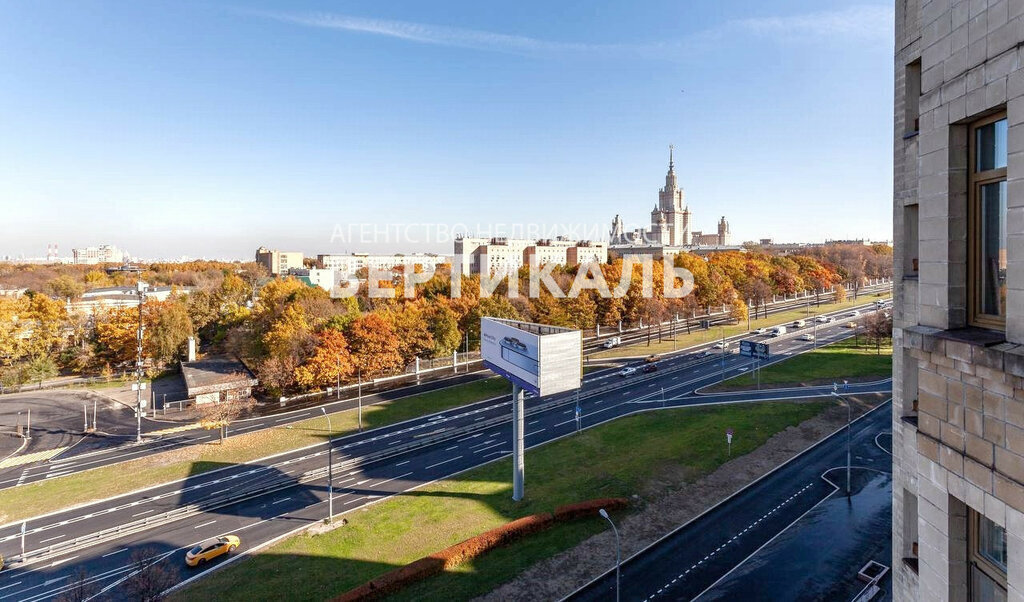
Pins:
x: 474, y: 547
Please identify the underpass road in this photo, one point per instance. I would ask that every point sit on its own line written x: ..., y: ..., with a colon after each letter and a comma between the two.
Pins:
x: 694, y: 557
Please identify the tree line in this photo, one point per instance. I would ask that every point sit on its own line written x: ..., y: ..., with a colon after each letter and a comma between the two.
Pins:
x: 296, y: 337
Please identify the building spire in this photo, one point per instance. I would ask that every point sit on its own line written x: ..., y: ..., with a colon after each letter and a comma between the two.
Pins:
x: 671, y: 164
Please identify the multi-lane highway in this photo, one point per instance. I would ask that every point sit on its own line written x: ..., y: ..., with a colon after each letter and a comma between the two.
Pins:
x: 268, y: 499
x: 163, y: 436
x: 693, y: 558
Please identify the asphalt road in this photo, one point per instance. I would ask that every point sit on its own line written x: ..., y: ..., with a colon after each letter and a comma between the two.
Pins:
x: 116, y: 444
x: 417, y: 451
x: 692, y: 560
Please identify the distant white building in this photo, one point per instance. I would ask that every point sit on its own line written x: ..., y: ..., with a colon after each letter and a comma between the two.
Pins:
x: 97, y: 255
x: 351, y: 263
x: 501, y: 255
x: 279, y: 262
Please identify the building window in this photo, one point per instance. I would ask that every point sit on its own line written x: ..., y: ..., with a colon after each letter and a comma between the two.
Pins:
x: 988, y: 560
x: 912, y: 98
x: 987, y: 223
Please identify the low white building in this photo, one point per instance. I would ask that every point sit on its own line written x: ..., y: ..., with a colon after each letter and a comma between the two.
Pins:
x: 97, y: 255
x: 122, y: 296
x: 351, y: 263
x: 501, y: 255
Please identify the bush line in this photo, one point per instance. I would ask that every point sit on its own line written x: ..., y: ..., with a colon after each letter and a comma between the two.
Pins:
x: 474, y: 547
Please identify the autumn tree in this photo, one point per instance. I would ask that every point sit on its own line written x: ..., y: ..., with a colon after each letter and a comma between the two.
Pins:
x: 330, y: 363
x: 47, y: 318
x: 12, y: 328
x: 171, y: 327
x: 372, y: 341
x: 116, y: 335
x: 739, y: 310
x: 219, y: 415
x: 878, y: 328
x: 414, y: 335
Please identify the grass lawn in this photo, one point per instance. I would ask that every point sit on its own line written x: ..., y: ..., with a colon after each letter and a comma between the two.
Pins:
x: 686, y: 443
x: 828, y: 364
x: 696, y: 337
x: 21, y: 502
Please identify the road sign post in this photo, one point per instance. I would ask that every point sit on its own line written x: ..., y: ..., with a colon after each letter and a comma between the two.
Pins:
x: 728, y: 439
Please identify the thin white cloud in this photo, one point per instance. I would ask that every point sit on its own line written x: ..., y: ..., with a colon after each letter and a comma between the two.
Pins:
x: 438, y: 34
x: 865, y: 22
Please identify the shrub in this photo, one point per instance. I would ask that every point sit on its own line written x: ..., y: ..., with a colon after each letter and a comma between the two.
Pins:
x: 589, y: 508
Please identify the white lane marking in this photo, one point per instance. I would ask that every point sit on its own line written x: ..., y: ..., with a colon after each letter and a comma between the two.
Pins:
x: 401, y: 463
x: 284, y: 499
x: 204, y: 525
x: 62, y: 561
x: 401, y: 476
x: 451, y: 448
x: 115, y: 552
x: 445, y: 461
x: 52, y: 538
x: 11, y: 585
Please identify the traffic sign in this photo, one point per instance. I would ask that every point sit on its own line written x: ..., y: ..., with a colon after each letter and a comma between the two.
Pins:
x: 754, y: 349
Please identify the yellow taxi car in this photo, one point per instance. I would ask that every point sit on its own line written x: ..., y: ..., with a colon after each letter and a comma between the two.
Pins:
x: 210, y: 549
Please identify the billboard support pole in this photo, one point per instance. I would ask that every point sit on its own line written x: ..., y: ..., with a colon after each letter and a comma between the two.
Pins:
x: 517, y: 442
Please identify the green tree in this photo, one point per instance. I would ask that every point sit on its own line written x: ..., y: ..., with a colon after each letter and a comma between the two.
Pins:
x: 64, y: 287
x: 40, y: 368
x: 444, y: 329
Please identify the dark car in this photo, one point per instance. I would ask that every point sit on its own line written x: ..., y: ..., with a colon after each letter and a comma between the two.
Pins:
x: 513, y: 343
x: 650, y: 368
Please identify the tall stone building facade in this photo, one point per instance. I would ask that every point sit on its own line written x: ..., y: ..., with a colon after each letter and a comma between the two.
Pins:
x: 958, y: 361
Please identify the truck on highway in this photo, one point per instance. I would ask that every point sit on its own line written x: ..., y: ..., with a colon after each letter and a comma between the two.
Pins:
x: 778, y: 331
x: 612, y: 342
x: 799, y: 324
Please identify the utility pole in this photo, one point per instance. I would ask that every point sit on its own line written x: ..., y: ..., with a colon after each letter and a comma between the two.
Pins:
x: 330, y: 468
x: 141, y: 290
x: 339, y: 377
x: 359, y: 395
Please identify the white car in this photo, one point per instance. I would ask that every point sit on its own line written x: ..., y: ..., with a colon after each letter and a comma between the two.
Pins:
x: 721, y: 345
x: 627, y: 371
x: 807, y: 337
x: 823, y: 319
x: 761, y: 331
x: 854, y: 314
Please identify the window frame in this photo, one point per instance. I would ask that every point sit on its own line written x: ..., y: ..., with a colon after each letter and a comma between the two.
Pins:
x: 977, y: 559
x: 975, y: 182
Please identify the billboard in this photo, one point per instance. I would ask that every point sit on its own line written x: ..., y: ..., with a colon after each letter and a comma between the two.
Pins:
x: 754, y: 349
x: 539, y: 358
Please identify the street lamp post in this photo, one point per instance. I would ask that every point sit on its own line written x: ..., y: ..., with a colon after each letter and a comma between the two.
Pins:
x: 359, y: 395
x: 330, y: 468
x: 849, y: 416
x: 618, y: 552
x: 339, y: 378
x: 141, y: 290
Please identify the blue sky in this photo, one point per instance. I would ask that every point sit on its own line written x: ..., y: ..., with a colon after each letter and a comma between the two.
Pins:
x: 208, y: 128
